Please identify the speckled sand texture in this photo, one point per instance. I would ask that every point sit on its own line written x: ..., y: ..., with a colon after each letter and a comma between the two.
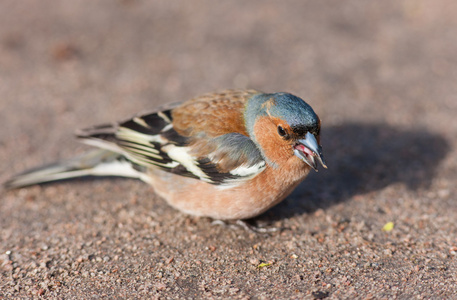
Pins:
x: 380, y: 74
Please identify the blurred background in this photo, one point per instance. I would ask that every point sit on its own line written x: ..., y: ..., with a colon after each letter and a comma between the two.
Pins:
x: 380, y: 74
x: 121, y: 56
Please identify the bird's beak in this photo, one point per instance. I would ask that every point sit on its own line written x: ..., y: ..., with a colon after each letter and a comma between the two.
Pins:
x: 309, y: 151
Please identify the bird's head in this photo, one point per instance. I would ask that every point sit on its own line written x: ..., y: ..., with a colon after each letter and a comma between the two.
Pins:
x: 284, y: 127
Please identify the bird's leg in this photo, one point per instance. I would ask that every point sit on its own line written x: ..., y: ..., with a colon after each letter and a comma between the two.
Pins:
x: 255, y: 229
x: 246, y: 226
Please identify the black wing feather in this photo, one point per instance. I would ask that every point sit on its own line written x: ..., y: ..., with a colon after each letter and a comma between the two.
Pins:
x: 143, y: 140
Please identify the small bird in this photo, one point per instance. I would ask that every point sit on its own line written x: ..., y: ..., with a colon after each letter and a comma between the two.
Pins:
x: 230, y: 155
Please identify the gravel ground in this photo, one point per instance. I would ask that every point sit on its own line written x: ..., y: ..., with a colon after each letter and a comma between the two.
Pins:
x: 381, y: 75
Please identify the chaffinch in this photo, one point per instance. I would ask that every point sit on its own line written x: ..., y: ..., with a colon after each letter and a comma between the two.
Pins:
x: 229, y: 155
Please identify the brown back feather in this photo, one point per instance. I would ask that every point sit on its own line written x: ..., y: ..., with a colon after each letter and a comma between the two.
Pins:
x: 213, y: 114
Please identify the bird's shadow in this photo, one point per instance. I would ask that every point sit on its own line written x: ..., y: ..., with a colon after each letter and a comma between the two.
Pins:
x: 362, y: 158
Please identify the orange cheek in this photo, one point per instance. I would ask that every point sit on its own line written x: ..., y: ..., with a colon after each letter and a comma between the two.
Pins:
x: 274, y: 147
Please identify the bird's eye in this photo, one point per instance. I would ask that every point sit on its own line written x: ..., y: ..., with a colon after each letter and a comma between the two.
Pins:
x: 281, y: 131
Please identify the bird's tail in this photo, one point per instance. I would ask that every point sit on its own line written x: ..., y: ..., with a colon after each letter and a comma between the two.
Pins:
x: 95, y: 163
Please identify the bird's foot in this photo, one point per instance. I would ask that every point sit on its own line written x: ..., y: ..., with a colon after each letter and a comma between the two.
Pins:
x: 246, y: 226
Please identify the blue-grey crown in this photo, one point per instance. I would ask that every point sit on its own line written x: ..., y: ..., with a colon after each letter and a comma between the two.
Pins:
x: 296, y: 112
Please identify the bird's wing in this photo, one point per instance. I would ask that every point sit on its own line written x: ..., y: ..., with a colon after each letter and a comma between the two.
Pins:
x: 193, y: 140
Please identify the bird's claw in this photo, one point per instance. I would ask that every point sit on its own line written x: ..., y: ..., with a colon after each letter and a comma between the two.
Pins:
x: 246, y: 226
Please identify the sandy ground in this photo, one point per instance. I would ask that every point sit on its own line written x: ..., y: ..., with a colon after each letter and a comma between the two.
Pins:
x: 381, y: 75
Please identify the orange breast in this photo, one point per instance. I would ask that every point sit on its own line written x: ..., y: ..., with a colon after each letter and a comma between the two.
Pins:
x: 244, y: 201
